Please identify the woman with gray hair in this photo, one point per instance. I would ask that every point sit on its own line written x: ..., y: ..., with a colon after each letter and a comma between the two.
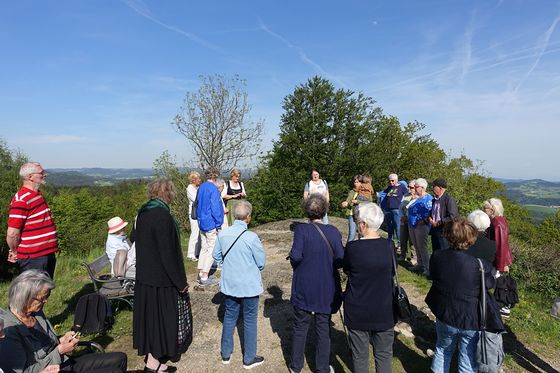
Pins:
x: 369, y: 265
x: 31, y: 344
x: 316, y: 292
x: 483, y: 248
x: 499, y: 233
x: 419, y: 227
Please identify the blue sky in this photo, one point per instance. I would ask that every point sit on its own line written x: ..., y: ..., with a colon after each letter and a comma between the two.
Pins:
x: 97, y: 83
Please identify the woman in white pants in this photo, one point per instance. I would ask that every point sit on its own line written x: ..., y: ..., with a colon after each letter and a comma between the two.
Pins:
x: 194, y: 239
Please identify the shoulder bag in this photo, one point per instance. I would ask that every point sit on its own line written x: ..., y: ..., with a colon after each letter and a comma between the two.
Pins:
x: 401, y: 305
x: 224, y: 255
x: 490, y: 347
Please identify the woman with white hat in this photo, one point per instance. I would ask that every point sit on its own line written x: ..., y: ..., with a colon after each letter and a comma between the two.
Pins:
x: 117, y: 240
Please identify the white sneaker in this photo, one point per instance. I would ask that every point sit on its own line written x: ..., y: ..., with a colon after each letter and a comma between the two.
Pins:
x: 505, y: 311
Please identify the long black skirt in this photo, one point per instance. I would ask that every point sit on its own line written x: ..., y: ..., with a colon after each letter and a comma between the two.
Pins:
x: 162, y: 322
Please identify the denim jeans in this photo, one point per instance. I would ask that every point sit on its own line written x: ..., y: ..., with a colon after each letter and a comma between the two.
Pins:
x: 302, y: 319
x: 447, y: 338
x: 351, y: 229
x: 393, y: 221
x: 250, y: 310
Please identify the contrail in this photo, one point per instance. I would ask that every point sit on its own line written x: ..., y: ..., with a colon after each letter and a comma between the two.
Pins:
x: 139, y: 7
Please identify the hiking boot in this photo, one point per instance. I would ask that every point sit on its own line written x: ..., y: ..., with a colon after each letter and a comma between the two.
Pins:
x: 208, y: 282
x: 258, y: 360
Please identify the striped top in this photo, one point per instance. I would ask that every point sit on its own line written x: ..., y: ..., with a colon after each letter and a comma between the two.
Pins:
x: 30, y: 214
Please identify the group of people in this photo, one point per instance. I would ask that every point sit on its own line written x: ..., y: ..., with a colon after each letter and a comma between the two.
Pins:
x: 162, y: 326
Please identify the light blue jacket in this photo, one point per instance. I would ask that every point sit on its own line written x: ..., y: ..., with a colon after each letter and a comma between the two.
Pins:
x: 241, y: 269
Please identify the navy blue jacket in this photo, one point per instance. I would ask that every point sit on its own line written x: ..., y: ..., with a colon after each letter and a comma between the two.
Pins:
x: 455, y: 292
x: 316, y: 282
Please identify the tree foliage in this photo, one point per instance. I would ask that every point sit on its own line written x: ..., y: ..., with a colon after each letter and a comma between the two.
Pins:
x: 166, y: 166
x: 10, y: 162
x: 342, y: 133
x: 215, y: 120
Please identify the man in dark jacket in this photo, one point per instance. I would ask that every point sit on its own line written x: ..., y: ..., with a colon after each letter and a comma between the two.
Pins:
x: 444, y: 209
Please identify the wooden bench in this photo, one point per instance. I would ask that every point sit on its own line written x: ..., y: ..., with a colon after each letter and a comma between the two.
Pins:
x: 114, y: 288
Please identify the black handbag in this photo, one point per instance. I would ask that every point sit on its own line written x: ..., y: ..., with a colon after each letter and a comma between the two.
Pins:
x: 401, y: 305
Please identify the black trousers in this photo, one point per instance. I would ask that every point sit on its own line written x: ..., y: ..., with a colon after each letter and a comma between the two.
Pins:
x: 45, y: 263
x: 109, y: 362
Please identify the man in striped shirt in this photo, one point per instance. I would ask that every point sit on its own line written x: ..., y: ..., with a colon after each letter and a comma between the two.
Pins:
x: 31, y: 232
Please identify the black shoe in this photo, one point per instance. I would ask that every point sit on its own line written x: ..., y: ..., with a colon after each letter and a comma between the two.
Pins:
x: 258, y: 360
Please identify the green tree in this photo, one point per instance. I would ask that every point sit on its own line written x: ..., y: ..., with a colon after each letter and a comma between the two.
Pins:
x: 166, y: 166
x: 215, y: 120
x: 10, y: 162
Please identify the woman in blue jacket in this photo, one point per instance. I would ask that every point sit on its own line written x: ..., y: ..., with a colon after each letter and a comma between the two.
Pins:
x: 316, y: 290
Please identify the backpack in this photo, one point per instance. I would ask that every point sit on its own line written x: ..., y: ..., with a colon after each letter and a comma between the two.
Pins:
x: 506, y: 290
x: 93, y: 314
x: 194, y: 214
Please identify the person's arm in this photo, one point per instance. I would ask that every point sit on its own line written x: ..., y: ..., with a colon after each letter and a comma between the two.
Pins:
x: 296, y: 254
x: 13, y: 238
x: 217, y: 252
x: 216, y: 208
x: 306, y: 191
x: 169, y: 248
x: 191, y: 194
x: 224, y: 194
x: 258, y: 252
x: 452, y: 209
x: 327, y: 195
x: 338, y: 250
x: 243, y: 192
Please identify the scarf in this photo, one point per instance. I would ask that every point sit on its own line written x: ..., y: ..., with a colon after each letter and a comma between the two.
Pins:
x: 153, y: 203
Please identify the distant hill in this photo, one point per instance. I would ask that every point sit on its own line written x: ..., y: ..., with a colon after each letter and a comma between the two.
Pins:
x: 95, y: 176
x: 533, y: 192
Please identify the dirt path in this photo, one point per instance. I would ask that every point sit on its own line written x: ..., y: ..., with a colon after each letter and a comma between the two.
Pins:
x: 411, y: 349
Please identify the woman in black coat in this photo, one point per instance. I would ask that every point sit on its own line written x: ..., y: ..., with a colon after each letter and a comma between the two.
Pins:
x: 368, y: 300
x: 454, y: 298
x: 161, y: 326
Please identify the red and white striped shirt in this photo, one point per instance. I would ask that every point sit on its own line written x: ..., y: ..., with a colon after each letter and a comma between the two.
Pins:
x: 30, y: 214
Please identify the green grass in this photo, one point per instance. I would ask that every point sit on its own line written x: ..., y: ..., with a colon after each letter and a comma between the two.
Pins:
x: 72, y: 282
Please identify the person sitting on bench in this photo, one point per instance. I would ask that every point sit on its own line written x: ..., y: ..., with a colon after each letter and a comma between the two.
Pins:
x: 121, y: 253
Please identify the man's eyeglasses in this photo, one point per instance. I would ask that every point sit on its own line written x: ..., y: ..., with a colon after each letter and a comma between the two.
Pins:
x: 42, y: 173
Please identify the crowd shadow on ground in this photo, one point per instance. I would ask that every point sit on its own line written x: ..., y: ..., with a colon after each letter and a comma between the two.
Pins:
x: 524, y: 357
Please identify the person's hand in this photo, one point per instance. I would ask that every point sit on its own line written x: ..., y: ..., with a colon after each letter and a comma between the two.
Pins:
x: 68, y: 343
x: 67, y: 337
x: 51, y: 369
x: 344, y: 204
x: 12, y: 256
x: 185, y: 289
x: 506, y: 269
x: 226, y: 210
x: 354, y: 201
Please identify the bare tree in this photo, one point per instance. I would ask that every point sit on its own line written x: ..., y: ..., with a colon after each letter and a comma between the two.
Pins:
x: 215, y: 120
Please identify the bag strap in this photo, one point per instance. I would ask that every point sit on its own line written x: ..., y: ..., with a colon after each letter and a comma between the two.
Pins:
x: 399, y: 290
x: 482, y: 296
x: 224, y: 256
x: 324, y: 238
